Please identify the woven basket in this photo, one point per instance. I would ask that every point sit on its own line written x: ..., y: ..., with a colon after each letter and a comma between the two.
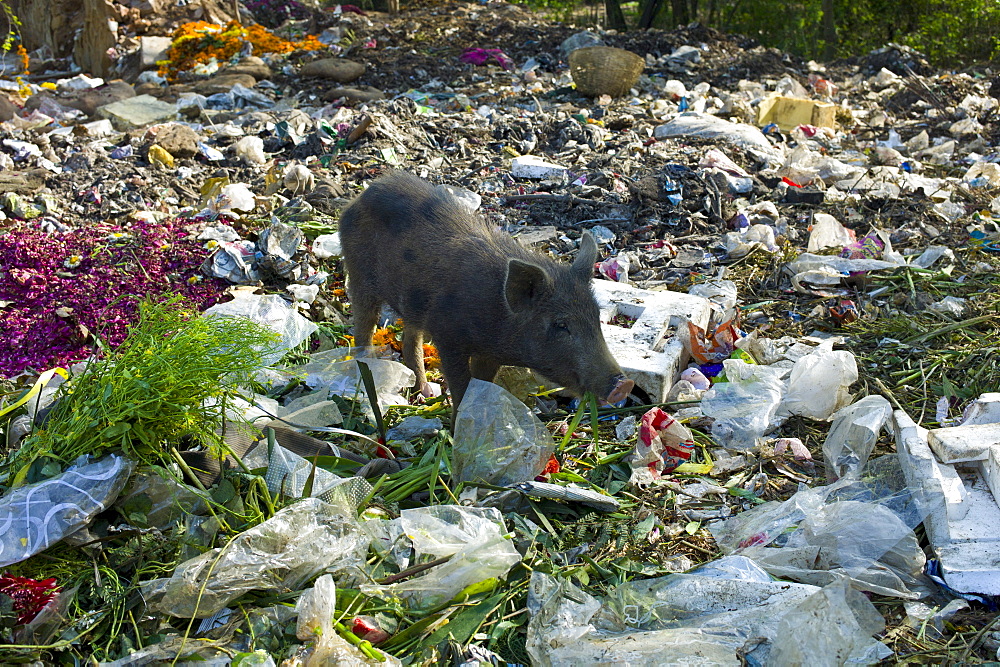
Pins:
x: 604, y: 70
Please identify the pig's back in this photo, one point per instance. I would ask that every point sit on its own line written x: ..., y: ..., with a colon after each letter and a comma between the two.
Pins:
x: 423, y: 253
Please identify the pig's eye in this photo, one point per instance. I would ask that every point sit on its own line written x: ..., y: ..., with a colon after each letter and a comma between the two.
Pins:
x: 560, y: 327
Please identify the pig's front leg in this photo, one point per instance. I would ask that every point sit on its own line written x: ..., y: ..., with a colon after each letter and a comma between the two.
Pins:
x: 484, y: 368
x: 456, y: 372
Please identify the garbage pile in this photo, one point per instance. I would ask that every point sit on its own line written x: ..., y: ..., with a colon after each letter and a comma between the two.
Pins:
x: 797, y: 267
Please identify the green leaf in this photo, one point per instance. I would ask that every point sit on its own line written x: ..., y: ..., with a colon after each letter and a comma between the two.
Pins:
x: 643, y: 527
x: 463, y: 624
x: 692, y: 527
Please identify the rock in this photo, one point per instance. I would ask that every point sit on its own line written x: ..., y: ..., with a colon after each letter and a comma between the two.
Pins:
x: 338, y: 69
x: 152, y: 48
x: 86, y: 101
x: 137, y: 112
x: 7, y: 108
x: 223, y: 83
x: 253, y: 66
x: 153, y: 89
x: 355, y: 95
x: 178, y: 140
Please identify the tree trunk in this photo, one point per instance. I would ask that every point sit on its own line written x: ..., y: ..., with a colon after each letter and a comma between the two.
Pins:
x: 649, y: 11
x: 615, y: 17
x: 829, y: 30
x: 679, y: 12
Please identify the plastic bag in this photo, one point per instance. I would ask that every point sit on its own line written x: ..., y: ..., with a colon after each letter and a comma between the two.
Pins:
x: 273, y: 312
x: 338, y: 371
x: 710, y: 347
x: 853, y: 529
x: 693, y: 124
x: 497, y: 438
x: 853, y: 434
x: 161, y: 500
x: 474, y: 537
x: 744, y: 407
x: 36, y: 516
x: 832, y: 627
x: 287, y: 474
x: 316, y: 609
x: 819, y: 382
x: 279, y: 554
x: 669, y: 620
x: 827, y: 232
x: 664, y: 443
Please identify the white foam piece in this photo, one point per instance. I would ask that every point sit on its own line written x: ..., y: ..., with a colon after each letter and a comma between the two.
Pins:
x: 649, y: 351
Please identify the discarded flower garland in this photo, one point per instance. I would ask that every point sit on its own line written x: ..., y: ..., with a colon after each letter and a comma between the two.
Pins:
x: 29, y: 595
x: 199, y: 42
x: 62, y: 287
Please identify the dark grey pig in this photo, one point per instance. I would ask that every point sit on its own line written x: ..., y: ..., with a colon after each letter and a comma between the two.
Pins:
x: 474, y: 291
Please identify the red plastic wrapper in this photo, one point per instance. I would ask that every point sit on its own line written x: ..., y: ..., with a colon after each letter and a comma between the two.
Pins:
x: 367, y: 628
x: 844, y: 312
x: 664, y: 443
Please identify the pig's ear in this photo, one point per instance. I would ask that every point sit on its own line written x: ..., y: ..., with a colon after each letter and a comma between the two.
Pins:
x: 525, y: 284
x: 583, y: 265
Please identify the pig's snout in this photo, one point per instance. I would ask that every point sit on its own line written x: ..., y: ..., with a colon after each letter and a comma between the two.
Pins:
x: 620, y: 390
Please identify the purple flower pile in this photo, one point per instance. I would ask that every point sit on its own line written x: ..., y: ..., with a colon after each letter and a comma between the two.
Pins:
x: 60, y: 290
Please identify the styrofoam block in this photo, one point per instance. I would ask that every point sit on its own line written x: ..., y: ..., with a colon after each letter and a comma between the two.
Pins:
x: 991, y: 471
x: 532, y: 166
x: 957, y: 444
x: 983, y: 410
x: 649, y: 351
x: 971, y: 568
x: 923, y: 471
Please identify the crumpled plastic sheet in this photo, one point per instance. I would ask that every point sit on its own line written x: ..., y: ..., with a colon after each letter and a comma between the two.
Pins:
x: 696, y: 618
x: 273, y: 312
x: 498, y: 440
x: 36, y: 516
x: 819, y: 383
x: 338, y: 371
x: 287, y: 474
x: 853, y: 434
x: 743, y: 408
x: 812, y: 273
x: 169, y: 499
x: 693, y: 124
x: 277, y: 555
x: 316, y: 608
x: 475, y: 538
x: 859, y: 530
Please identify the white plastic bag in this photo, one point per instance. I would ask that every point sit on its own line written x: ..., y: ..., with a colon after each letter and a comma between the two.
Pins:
x: 744, y: 407
x: 819, y: 383
x: 497, y: 438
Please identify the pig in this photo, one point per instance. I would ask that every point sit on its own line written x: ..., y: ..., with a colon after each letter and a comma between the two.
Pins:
x: 481, y: 298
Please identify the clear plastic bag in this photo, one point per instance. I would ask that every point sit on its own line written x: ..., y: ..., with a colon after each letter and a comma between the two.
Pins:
x: 669, y: 620
x: 36, y: 516
x: 853, y: 434
x: 316, y: 609
x: 161, y: 499
x: 273, y: 312
x: 497, y: 438
x: 744, y: 407
x: 857, y: 530
x: 287, y: 474
x: 832, y: 627
x: 338, y: 371
x: 819, y: 383
x: 277, y: 555
x: 474, y: 537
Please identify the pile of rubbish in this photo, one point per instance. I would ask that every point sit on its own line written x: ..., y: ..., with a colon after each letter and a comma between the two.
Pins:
x: 798, y: 268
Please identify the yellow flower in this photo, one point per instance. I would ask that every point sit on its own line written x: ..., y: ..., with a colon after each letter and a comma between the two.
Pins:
x: 194, y: 280
x: 211, y: 244
x: 73, y: 261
